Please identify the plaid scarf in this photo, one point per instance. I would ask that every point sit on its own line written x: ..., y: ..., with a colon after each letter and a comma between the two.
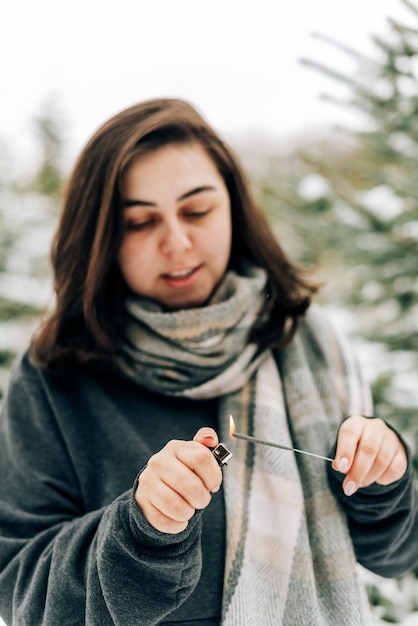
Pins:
x: 289, y: 555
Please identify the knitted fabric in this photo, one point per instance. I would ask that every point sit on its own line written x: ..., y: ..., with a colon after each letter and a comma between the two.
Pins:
x: 199, y: 353
x: 289, y: 555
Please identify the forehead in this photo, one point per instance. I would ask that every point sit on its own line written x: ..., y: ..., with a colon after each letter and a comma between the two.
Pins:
x: 172, y: 163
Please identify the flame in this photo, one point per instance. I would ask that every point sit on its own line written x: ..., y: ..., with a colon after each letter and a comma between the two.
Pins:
x: 232, y: 428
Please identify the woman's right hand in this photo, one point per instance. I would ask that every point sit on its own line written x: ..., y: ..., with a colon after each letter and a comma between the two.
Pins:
x: 178, y: 480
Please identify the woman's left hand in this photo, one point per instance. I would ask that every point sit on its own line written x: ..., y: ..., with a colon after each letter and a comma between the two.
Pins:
x: 368, y: 451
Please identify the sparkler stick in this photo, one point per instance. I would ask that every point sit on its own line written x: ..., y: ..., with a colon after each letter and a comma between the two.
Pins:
x: 234, y: 435
x: 263, y: 442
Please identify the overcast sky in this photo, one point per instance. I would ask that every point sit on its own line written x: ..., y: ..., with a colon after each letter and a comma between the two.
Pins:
x: 236, y: 60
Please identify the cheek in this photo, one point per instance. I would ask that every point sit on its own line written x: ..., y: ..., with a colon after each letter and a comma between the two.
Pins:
x: 220, y: 241
x: 132, y: 261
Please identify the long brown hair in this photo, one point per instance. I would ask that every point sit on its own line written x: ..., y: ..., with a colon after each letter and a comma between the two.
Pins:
x: 88, y: 318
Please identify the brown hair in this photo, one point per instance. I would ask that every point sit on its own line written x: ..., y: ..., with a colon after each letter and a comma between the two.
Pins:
x: 88, y: 318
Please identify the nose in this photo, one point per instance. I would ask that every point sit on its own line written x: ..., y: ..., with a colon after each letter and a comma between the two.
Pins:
x: 175, y: 238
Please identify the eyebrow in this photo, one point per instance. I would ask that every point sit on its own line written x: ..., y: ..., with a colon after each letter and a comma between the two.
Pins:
x: 188, y: 194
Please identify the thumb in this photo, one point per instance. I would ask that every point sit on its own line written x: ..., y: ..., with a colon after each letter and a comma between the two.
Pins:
x: 207, y: 437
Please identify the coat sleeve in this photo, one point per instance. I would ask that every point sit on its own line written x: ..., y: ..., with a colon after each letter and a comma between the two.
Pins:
x: 383, y: 520
x: 383, y: 523
x: 62, y: 565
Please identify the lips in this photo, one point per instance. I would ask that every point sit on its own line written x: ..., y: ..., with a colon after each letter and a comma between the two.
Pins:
x: 179, y: 273
x: 182, y: 278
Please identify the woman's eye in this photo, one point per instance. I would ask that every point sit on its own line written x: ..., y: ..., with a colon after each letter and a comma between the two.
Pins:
x: 138, y: 225
x: 197, y: 213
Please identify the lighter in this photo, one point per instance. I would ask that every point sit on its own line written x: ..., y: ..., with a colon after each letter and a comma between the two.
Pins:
x: 222, y: 454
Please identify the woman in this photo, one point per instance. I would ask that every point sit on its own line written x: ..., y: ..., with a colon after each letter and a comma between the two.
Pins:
x: 175, y: 307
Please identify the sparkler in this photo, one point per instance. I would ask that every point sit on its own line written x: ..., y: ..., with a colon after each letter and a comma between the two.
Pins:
x: 263, y: 442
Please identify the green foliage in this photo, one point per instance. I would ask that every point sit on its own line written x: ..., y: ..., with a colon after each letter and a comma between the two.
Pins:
x: 10, y: 309
x: 6, y: 242
x: 6, y: 358
x: 347, y: 204
x: 377, y: 598
x: 27, y: 211
x: 49, y: 130
x: 353, y: 196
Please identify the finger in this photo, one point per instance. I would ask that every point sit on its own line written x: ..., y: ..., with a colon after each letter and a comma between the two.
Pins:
x: 366, y: 455
x: 349, y: 435
x: 164, y: 505
x: 188, y: 486
x: 162, y: 523
x: 168, y: 502
x: 396, y: 469
x: 206, y: 436
x: 381, y: 463
x: 157, y: 514
x: 200, y: 459
x: 379, y: 453
x: 188, y: 473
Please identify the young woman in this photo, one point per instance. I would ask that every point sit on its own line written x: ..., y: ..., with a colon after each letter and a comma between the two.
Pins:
x: 176, y: 307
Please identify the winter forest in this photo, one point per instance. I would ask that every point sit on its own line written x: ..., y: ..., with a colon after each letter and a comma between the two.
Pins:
x: 344, y: 202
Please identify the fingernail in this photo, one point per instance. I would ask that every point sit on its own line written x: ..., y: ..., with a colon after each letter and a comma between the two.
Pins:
x: 207, y: 437
x: 350, y: 488
x: 216, y: 489
x: 343, y: 465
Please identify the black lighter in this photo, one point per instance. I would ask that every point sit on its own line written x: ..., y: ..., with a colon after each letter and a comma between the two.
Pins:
x: 222, y: 454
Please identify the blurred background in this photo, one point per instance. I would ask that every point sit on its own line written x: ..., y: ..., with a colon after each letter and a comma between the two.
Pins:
x: 320, y: 99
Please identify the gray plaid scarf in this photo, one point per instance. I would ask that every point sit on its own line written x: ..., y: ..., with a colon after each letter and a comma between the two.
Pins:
x: 289, y: 557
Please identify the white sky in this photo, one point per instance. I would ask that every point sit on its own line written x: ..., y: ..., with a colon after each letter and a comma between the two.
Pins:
x: 236, y: 60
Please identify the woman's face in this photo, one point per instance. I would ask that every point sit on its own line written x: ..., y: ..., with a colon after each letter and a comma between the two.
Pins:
x: 178, y: 230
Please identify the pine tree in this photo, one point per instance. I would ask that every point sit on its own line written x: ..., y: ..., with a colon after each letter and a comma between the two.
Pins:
x: 28, y: 206
x: 346, y: 203
x: 378, y: 191
x: 353, y: 196
x: 49, y: 130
